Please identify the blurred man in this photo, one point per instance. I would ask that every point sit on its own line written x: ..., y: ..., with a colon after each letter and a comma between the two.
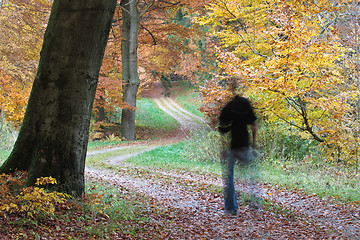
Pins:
x: 234, y: 119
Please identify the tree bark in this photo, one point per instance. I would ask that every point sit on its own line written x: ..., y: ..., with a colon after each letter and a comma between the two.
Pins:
x: 54, y: 134
x: 130, y: 76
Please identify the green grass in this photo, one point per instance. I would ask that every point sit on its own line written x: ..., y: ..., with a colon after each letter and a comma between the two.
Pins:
x: 4, y: 154
x: 191, y: 102
x: 295, y: 163
x: 118, y: 210
x: 92, y: 145
x: 98, y: 159
x: 150, y: 116
x: 173, y: 157
x: 7, y: 140
x: 203, y: 146
x: 324, y: 180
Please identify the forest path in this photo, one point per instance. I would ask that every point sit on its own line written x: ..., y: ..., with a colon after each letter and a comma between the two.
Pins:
x: 191, y: 206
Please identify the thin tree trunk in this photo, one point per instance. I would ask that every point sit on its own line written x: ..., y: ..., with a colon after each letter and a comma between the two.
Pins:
x: 53, y: 137
x: 100, y: 110
x: 130, y: 71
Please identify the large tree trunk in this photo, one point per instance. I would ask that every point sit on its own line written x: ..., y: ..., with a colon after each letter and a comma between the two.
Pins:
x: 53, y: 137
x: 130, y: 76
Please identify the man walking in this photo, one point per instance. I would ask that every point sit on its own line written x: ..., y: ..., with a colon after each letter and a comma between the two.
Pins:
x: 235, y: 118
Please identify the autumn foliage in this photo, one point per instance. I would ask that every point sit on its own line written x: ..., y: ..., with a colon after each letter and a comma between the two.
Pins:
x: 34, y: 200
x: 22, y: 24
x: 287, y: 56
x: 215, y: 95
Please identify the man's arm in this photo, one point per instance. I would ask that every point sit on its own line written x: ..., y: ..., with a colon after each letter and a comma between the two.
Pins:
x: 254, y: 130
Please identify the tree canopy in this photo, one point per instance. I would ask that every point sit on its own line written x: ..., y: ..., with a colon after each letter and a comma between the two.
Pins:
x: 288, y: 57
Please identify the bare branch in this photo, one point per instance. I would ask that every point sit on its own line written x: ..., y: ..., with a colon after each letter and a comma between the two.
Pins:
x: 152, y: 36
x: 244, y: 30
x: 300, y: 108
x: 146, y: 8
x: 121, y: 6
x: 288, y: 122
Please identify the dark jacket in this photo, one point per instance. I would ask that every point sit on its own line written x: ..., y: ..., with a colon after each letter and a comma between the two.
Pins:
x: 234, y: 117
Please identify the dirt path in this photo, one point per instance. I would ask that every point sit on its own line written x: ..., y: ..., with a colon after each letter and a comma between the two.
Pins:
x: 192, y: 208
x: 186, y: 119
x: 344, y: 219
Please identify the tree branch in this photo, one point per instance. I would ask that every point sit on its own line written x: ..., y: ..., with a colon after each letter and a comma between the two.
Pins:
x: 288, y: 122
x: 300, y: 108
x: 146, y: 8
x: 244, y: 30
x: 152, y: 36
x: 121, y: 6
x: 306, y: 121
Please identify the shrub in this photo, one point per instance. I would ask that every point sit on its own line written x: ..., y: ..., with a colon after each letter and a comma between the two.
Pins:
x: 203, y: 146
x: 277, y: 146
x: 15, y: 197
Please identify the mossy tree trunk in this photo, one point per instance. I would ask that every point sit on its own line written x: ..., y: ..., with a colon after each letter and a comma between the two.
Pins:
x: 54, y: 134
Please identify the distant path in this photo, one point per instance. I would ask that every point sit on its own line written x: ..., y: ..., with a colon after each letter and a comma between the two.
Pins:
x: 186, y: 119
x: 190, y: 200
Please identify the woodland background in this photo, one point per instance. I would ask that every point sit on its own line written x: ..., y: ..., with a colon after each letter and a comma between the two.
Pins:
x: 297, y: 61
